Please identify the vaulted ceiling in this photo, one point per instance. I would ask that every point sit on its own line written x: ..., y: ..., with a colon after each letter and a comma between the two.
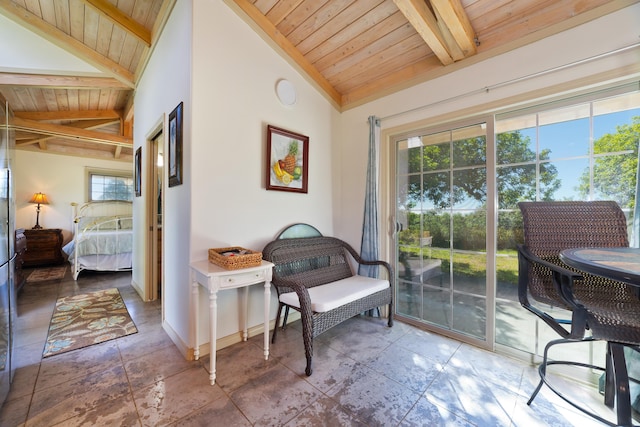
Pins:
x: 353, y: 51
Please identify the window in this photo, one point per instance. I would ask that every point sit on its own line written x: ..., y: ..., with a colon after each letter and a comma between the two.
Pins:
x: 110, y: 185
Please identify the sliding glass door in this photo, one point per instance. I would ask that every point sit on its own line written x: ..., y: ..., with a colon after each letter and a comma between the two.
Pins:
x: 457, y: 220
x: 441, y: 229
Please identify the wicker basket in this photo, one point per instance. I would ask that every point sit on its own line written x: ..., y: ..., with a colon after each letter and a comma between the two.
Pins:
x: 235, y: 262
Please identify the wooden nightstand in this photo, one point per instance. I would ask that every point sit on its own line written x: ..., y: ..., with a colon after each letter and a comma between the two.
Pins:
x: 44, y: 247
x: 21, y: 249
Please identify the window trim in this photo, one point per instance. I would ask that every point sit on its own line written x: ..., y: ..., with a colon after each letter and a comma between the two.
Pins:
x: 119, y: 173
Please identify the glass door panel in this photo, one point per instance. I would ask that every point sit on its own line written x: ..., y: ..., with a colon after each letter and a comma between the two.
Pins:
x: 441, y: 230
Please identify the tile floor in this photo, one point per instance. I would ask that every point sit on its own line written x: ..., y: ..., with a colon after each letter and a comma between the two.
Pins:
x: 365, y: 374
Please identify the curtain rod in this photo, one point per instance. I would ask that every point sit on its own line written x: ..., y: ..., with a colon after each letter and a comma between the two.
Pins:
x: 486, y: 89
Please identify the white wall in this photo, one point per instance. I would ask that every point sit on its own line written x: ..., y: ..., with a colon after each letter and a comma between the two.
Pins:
x: 165, y: 83
x: 234, y: 77
x: 62, y: 178
x: 586, y: 41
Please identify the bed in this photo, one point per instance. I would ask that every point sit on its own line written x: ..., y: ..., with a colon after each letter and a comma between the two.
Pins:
x: 102, y: 237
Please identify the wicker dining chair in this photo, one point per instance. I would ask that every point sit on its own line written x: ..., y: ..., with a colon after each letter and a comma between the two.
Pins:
x: 549, y: 228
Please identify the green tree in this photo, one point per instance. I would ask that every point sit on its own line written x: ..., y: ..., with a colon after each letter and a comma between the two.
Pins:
x: 614, y: 176
x: 515, y: 183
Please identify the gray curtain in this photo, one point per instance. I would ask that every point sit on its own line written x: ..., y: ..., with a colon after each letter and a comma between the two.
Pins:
x: 635, y: 231
x: 369, y: 247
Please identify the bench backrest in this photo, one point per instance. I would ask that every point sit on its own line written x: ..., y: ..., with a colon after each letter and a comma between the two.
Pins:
x: 312, y: 261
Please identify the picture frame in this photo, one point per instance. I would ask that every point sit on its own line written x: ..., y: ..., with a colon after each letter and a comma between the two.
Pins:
x: 174, y: 167
x: 287, y: 164
x: 137, y: 177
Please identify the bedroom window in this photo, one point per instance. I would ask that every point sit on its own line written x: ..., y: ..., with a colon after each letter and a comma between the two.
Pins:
x: 110, y: 185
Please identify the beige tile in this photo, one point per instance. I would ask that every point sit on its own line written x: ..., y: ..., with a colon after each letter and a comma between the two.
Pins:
x: 325, y: 412
x: 154, y: 366
x: 75, y: 397
x: 239, y: 364
x: 275, y: 397
x: 374, y: 398
x: 221, y: 412
x: 14, y: 412
x: 117, y: 412
x: 175, y: 397
x: 64, y: 367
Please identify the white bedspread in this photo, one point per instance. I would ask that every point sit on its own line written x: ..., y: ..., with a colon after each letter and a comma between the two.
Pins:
x: 102, y: 242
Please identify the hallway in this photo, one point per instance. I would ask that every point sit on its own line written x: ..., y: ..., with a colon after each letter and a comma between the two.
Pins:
x: 365, y: 374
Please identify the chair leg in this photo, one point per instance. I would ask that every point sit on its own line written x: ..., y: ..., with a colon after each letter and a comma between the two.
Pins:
x: 390, y: 321
x: 275, y: 328
x: 542, y: 369
x: 622, y: 395
x: 286, y: 316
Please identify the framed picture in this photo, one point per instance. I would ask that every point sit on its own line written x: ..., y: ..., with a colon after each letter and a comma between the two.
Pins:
x: 287, y: 160
x: 138, y: 172
x: 175, y: 147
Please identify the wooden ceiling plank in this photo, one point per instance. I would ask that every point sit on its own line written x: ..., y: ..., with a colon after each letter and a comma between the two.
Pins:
x: 264, y: 5
x: 421, y: 18
x: 299, y: 15
x: 386, y: 58
x: 400, y: 79
x: 65, y: 41
x: 372, y: 50
x: 378, y: 21
x: 91, y: 24
x: 70, y: 132
x: 287, y: 48
x: 320, y: 18
x: 61, y: 9
x: 69, y: 115
x: 60, y: 82
x: 345, y: 18
x: 281, y: 9
x: 118, y: 152
x: 122, y: 20
x: 456, y: 20
x: 76, y: 19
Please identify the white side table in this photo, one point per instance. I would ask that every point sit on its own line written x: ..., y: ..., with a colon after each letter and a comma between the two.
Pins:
x: 214, y: 278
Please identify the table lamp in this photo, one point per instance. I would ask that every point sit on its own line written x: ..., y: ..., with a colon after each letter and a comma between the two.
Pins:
x: 40, y: 199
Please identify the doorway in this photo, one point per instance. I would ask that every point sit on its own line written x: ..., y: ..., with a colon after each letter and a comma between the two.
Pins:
x: 155, y: 210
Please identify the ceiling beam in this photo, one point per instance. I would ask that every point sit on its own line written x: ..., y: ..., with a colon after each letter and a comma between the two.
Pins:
x: 122, y: 20
x: 60, y: 82
x: 422, y: 19
x: 289, y: 50
x: 93, y: 124
x: 58, y: 37
x: 69, y: 115
x: 70, y: 132
x: 452, y: 13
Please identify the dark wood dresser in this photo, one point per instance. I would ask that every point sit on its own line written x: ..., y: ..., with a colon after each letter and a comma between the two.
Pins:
x: 44, y: 247
x: 20, y: 247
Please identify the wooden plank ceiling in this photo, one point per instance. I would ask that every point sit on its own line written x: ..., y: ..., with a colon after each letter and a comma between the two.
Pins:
x: 353, y: 51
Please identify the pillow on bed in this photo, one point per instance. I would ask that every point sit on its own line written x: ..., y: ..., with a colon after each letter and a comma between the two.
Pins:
x: 126, y: 223
x: 98, y: 223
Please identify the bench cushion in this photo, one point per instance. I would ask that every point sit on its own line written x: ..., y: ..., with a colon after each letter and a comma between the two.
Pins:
x: 336, y: 294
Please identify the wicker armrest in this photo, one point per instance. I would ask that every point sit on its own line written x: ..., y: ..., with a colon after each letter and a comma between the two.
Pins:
x: 563, y: 281
x: 299, y: 288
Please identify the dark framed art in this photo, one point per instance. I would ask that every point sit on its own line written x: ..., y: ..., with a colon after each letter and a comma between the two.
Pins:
x: 175, y: 147
x: 287, y: 160
x: 138, y: 173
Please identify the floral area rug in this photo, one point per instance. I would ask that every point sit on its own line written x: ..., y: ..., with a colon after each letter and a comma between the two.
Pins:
x: 44, y: 274
x: 83, y: 320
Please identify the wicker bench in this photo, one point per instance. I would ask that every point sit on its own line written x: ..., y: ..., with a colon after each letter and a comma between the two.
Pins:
x: 313, y: 275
